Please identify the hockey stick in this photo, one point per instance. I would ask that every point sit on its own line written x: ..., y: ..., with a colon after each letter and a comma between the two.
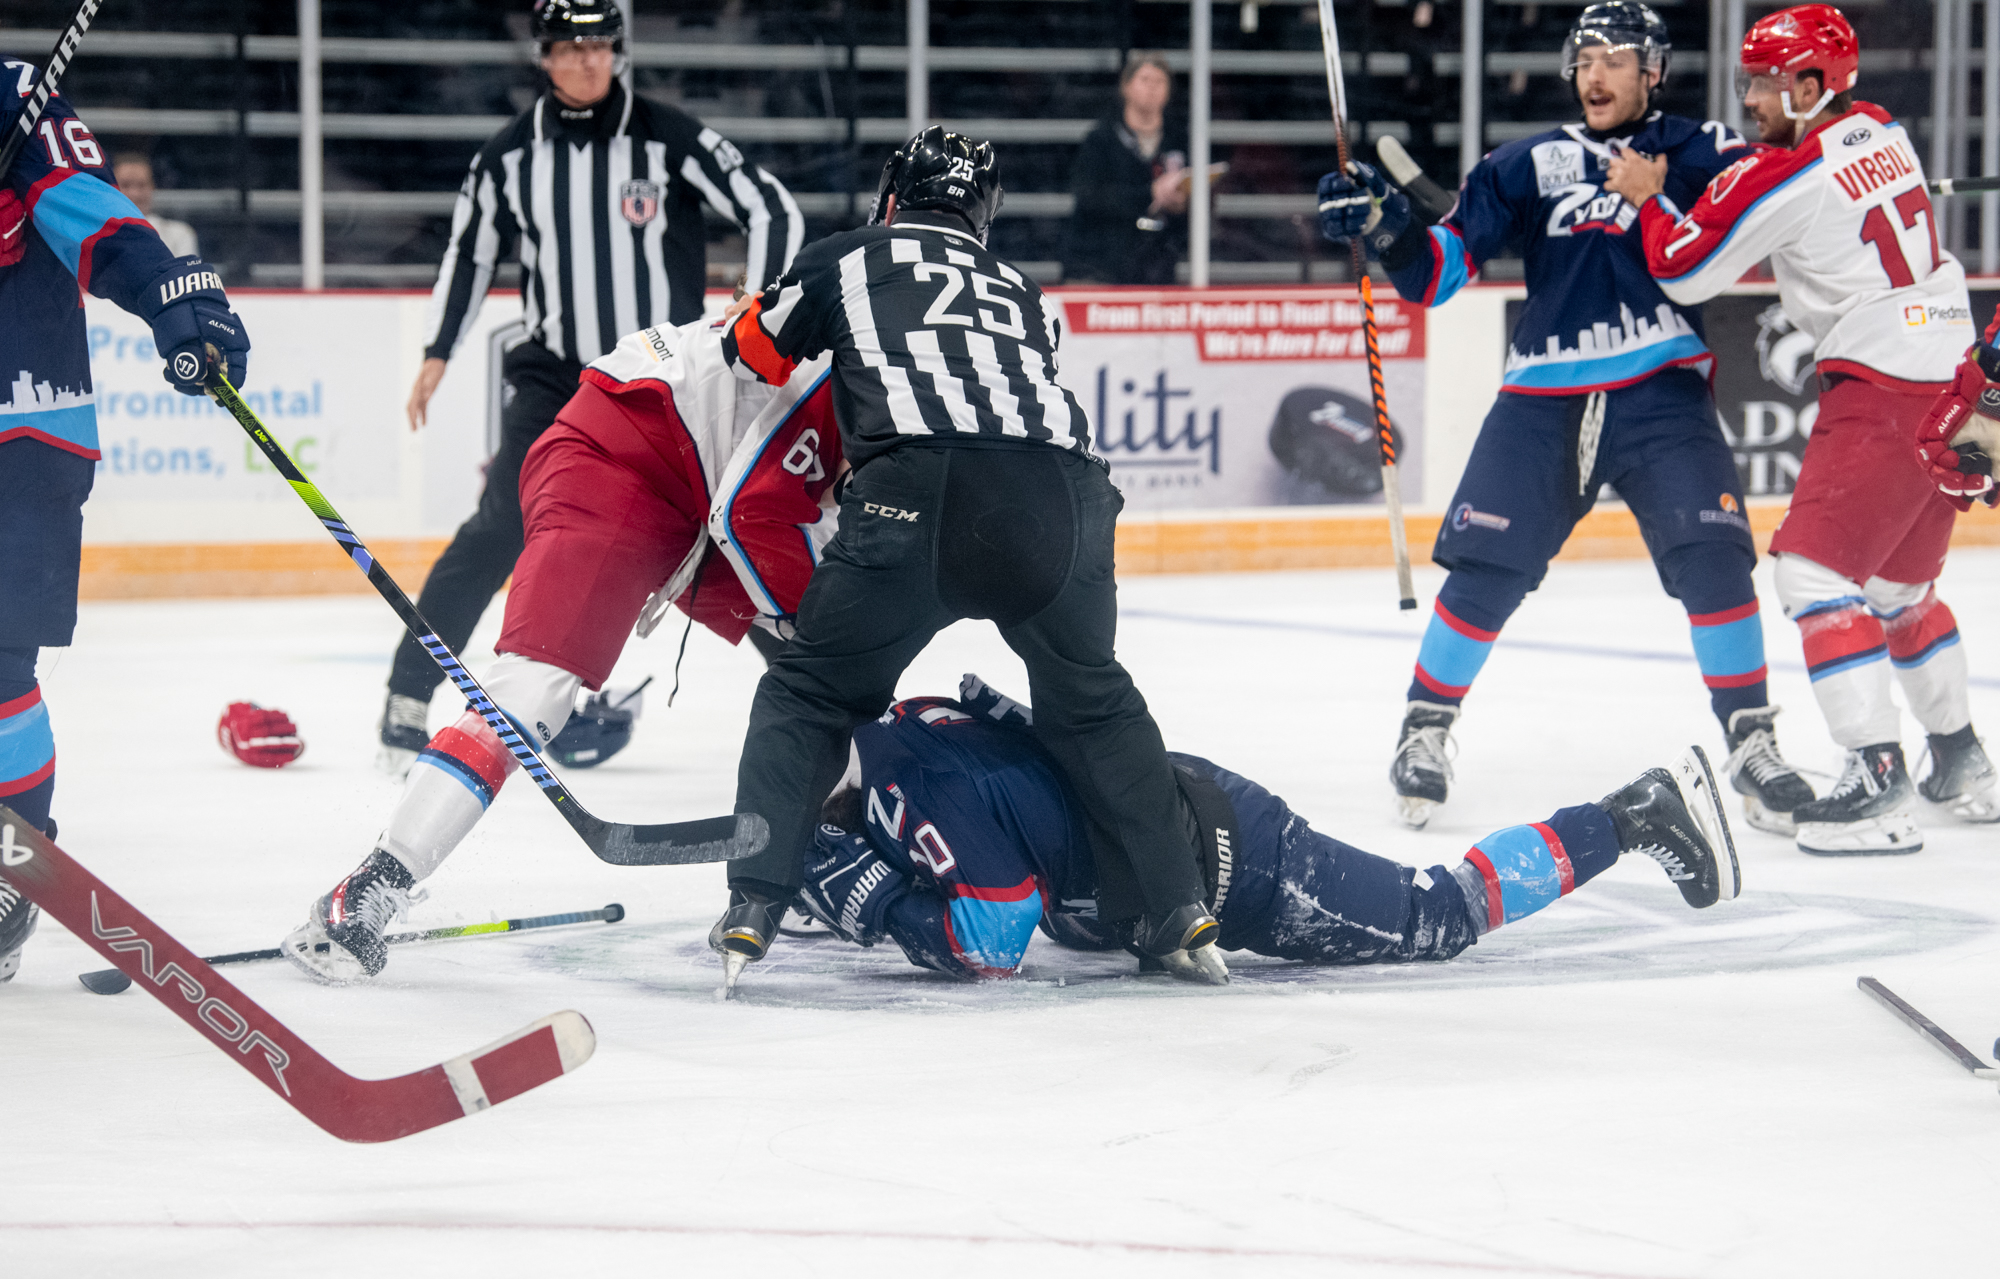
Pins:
x: 1930, y: 1030
x: 1962, y: 186
x: 109, y: 981
x: 45, y: 87
x: 1434, y: 201
x: 349, y: 1108
x: 1392, y: 493
x: 713, y: 839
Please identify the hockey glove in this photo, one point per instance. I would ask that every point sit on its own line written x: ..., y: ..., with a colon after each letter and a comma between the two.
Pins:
x: 193, y: 326
x: 1361, y: 202
x: 260, y: 738
x: 1957, y: 438
x: 849, y: 886
x: 13, y: 227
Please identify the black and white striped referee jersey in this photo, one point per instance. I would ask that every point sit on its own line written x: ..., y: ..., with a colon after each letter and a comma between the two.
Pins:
x: 605, y: 204
x: 932, y: 337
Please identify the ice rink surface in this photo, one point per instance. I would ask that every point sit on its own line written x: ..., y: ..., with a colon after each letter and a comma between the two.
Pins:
x: 1618, y: 1086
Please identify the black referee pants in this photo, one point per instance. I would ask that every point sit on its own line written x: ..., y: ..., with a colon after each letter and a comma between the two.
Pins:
x: 482, y: 554
x: 930, y: 534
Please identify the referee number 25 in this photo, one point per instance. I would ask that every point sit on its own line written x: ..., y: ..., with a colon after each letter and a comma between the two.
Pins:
x: 1008, y: 325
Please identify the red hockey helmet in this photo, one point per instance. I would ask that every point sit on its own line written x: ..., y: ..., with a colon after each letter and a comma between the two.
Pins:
x: 1805, y: 37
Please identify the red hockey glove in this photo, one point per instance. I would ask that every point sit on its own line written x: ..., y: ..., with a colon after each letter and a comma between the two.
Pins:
x: 13, y: 227
x: 260, y: 738
x: 1955, y: 441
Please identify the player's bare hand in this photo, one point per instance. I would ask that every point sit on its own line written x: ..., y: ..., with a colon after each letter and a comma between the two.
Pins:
x: 1636, y: 176
x: 426, y: 386
x: 738, y: 307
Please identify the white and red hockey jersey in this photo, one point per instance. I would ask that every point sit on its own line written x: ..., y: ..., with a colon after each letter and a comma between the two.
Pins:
x: 758, y: 462
x: 1845, y: 221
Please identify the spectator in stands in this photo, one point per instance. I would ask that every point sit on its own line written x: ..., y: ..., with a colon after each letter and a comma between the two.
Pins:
x: 1131, y: 183
x: 134, y: 172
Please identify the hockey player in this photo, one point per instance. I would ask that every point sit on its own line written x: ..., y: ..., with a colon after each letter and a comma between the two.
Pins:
x: 1605, y: 383
x: 661, y: 456
x: 975, y: 495
x: 603, y: 192
x: 65, y: 230
x: 957, y: 838
x: 1837, y: 202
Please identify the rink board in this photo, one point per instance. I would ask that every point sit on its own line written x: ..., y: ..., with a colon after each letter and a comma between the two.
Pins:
x: 1186, y: 391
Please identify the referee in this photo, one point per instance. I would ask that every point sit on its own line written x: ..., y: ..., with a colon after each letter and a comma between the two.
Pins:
x: 602, y: 192
x: 974, y: 494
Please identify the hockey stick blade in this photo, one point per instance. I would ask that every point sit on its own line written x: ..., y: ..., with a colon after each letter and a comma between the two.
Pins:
x: 363, y: 1110
x: 1933, y: 1033
x: 1433, y: 200
x: 109, y: 981
x: 714, y: 839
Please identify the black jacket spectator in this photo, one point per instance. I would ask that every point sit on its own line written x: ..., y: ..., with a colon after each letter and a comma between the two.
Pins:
x: 1112, y: 238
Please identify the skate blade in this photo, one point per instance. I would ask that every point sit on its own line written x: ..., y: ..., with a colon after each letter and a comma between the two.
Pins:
x: 1415, y: 811
x: 733, y: 965
x: 1890, y: 835
x: 1696, y: 782
x: 1977, y: 807
x: 1203, y: 967
x: 1768, y: 820
x: 10, y: 963
x: 308, y: 949
x: 394, y: 763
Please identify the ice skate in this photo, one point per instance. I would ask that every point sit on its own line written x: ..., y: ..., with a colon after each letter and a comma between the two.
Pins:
x: 745, y: 931
x: 1184, y: 945
x: 18, y: 917
x: 404, y: 733
x: 1421, y: 771
x: 349, y: 923
x: 1675, y: 816
x: 1771, y: 788
x: 1962, y: 777
x: 1870, y: 811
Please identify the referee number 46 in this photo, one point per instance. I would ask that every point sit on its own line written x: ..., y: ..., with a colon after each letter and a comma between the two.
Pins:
x: 940, y: 313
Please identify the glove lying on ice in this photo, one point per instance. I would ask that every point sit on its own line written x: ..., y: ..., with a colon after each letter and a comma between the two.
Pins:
x: 849, y: 886
x: 1958, y: 437
x: 193, y: 326
x: 13, y: 227
x: 1361, y: 202
x: 261, y: 738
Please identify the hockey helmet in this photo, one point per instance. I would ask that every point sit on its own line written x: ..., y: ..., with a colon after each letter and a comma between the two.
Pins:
x: 1806, y: 37
x: 940, y: 170
x: 1619, y: 24
x: 561, y: 21
x: 1329, y: 438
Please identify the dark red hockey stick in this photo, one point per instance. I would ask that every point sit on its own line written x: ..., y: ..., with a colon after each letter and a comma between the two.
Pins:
x: 349, y: 1108
x: 45, y: 85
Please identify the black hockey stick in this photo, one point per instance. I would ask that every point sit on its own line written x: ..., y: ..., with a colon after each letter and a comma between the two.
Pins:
x: 1385, y: 437
x: 1962, y: 186
x: 109, y: 981
x: 1929, y: 1029
x: 1432, y: 200
x: 349, y: 1108
x: 713, y: 839
x: 45, y: 87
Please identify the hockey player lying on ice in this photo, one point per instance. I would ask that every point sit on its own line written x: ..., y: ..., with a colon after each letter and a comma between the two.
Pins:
x: 960, y: 838
x: 660, y: 453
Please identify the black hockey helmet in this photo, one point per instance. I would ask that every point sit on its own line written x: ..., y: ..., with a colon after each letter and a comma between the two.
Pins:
x: 561, y: 21
x: 1619, y: 24
x: 939, y: 170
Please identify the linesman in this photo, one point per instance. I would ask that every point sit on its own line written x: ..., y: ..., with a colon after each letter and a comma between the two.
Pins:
x: 602, y: 192
x: 975, y: 494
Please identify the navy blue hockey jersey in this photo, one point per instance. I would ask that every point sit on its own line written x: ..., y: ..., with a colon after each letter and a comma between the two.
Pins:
x: 1594, y: 317
x: 86, y: 236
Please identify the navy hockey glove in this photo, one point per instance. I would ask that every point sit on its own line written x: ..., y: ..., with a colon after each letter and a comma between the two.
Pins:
x: 193, y: 326
x: 849, y: 886
x: 1361, y: 202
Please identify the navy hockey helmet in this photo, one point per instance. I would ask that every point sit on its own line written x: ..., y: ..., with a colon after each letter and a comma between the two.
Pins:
x: 939, y: 170
x: 561, y: 21
x: 1328, y: 438
x: 1619, y: 24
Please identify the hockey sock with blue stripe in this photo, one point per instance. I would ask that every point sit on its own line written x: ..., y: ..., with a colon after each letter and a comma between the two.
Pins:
x: 1513, y: 873
x: 1712, y: 581
x: 1473, y: 605
x: 27, y: 742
